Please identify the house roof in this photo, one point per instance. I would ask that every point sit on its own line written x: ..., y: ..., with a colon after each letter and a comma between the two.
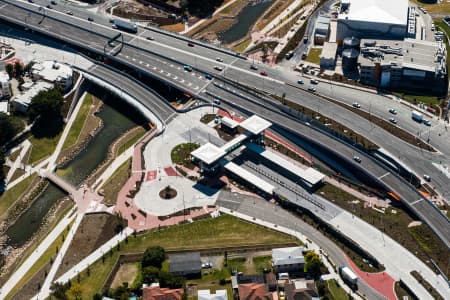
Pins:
x: 157, y: 293
x: 301, y: 290
x: 254, y: 291
x: 207, y: 295
x: 185, y: 262
x: 377, y: 11
x: 287, y: 256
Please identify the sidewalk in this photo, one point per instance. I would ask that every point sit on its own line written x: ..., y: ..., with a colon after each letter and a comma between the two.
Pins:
x: 17, y: 164
x: 40, y: 249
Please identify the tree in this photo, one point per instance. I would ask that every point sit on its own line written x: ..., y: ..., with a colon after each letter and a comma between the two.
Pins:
x: 201, y: 8
x: 2, y: 162
x: 9, y: 69
x: 45, y: 112
x: 153, y: 256
x: 150, y: 274
x: 76, y: 291
x: 9, y: 127
x: 59, y: 290
x: 97, y: 296
x: 312, y: 263
x: 171, y: 281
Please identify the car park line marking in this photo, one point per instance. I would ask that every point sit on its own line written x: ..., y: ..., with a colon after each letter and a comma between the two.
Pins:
x: 417, y: 201
x: 384, y: 175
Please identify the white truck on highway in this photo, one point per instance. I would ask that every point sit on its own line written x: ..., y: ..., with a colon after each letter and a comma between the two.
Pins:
x: 348, y: 276
x: 417, y: 116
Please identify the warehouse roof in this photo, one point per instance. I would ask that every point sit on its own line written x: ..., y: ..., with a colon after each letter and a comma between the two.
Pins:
x: 208, y: 153
x: 255, y: 124
x: 377, y: 11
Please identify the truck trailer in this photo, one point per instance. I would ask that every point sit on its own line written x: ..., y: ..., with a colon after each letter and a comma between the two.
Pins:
x: 125, y: 26
x: 348, y: 276
x: 417, y: 116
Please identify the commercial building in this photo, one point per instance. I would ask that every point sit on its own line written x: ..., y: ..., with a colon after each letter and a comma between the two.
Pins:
x: 410, y: 64
x: 207, y: 295
x: 328, y: 56
x: 373, y: 19
x: 288, y: 260
x: 185, y: 264
x: 51, y: 71
x: 22, y: 101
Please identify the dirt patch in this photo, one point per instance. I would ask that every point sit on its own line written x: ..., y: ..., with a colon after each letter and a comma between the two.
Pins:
x: 178, y: 27
x: 33, y: 285
x: 95, y: 229
x: 126, y: 273
x: 133, y: 10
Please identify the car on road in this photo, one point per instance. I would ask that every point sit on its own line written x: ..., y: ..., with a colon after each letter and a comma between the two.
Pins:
x: 53, y: 2
x: 254, y: 67
x: 208, y: 76
x: 49, y: 6
x: 392, y: 120
x: 314, y: 81
x: 312, y: 89
x: 69, y: 12
x: 356, y: 104
x: 357, y: 159
x: 219, y: 59
x: 190, y: 44
x: 300, y: 81
x: 289, y: 54
x: 31, y: 1
x: 218, y: 68
x: 263, y: 73
x: 150, y: 38
x: 187, y: 68
x: 392, y: 111
x: 426, y: 177
x: 90, y: 19
x: 217, y: 101
x: 427, y: 122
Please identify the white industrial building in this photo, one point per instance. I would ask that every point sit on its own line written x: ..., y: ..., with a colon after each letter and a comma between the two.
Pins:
x: 387, y: 19
x: 54, y: 72
x: 22, y: 101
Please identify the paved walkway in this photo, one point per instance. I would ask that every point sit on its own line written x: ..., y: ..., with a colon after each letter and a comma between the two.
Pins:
x: 33, y: 258
x: 17, y: 164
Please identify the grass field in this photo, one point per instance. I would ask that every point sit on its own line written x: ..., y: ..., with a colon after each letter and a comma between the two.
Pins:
x: 418, y: 98
x: 112, y: 187
x: 12, y: 195
x: 218, y: 232
x: 78, y: 123
x: 43, y: 260
x: 181, y: 154
x: 131, y: 140
x: 43, y: 147
x: 314, y: 55
x: 336, y: 291
x: 435, y: 8
x: 242, y: 46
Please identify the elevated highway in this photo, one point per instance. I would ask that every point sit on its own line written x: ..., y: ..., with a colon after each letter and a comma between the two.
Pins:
x: 165, y: 62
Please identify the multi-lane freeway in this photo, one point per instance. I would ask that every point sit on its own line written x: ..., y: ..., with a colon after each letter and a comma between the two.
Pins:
x: 164, y: 57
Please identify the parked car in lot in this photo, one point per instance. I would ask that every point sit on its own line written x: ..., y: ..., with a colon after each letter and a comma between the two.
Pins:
x: 357, y: 159
x: 312, y: 89
x: 356, y: 104
x: 392, y: 120
x: 300, y: 81
x: 392, y: 111
x: 263, y: 73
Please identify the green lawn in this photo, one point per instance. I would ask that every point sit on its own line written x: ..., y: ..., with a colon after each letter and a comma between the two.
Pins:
x: 112, y: 187
x: 181, y: 154
x: 337, y: 292
x: 132, y: 140
x: 262, y: 262
x: 314, y: 56
x: 42, y: 261
x: 43, y: 147
x: 12, y: 195
x: 78, y: 123
x: 242, y: 46
x: 418, y: 98
x: 219, y: 232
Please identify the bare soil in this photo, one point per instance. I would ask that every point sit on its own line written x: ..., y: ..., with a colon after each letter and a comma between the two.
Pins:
x: 126, y: 273
x: 95, y: 229
x: 32, y: 286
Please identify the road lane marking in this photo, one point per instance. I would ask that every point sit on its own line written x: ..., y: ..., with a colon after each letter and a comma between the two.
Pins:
x: 384, y: 175
x: 417, y: 201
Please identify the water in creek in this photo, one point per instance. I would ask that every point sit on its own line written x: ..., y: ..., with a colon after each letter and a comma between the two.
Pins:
x: 245, y: 20
x: 114, y: 125
x: 30, y: 221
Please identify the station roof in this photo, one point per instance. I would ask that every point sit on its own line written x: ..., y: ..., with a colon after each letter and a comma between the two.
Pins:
x: 308, y: 174
x: 229, y: 122
x: 377, y: 11
x: 208, y: 153
x: 249, y: 177
x: 255, y: 124
x: 233, y: 143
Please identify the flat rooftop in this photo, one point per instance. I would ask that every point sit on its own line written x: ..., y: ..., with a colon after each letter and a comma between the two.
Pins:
x: 208, y: 153
x: 229, y: 122
x: 419, y: 54
x: 27, y: 95
x: 51, y: 70
x: 329, y: 50
x: 377, y: 11
x: 255, y: 124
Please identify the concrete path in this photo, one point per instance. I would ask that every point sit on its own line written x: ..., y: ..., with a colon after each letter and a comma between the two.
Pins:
x: 40, y: 249
x: 17, y: 164
x: 45, y: 289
